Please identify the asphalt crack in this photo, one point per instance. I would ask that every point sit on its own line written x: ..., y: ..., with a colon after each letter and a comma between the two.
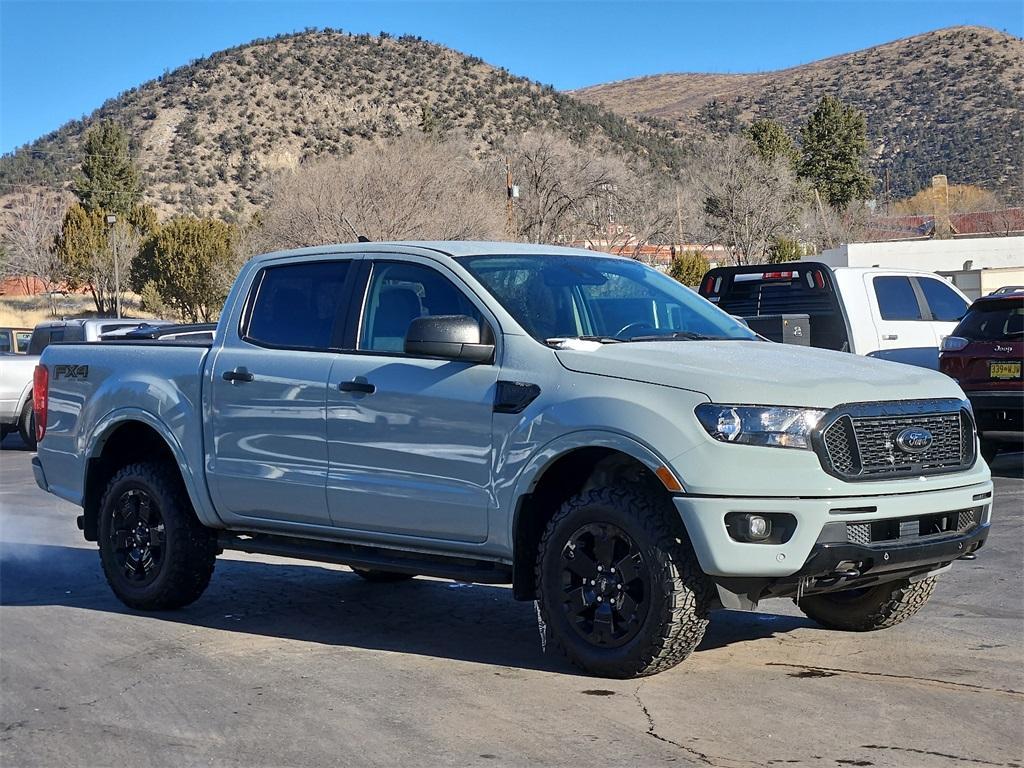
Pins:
x: 827, y: 671
x: 972, y: 760
x: 694, y: 753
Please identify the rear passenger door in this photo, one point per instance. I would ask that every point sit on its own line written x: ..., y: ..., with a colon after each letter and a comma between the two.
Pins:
x: 267, y: 427
x: 900, y: 316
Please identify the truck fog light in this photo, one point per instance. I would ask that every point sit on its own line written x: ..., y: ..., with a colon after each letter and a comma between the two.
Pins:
x: 758, y: 527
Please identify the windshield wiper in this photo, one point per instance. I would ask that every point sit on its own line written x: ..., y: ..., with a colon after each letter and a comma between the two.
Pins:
x: 599, y: 339
x: 677, y: 336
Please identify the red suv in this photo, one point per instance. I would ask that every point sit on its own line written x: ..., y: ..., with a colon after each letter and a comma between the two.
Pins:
x: 985, y: 354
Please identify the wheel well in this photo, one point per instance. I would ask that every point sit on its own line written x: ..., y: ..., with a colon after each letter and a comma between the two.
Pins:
x: 130, y: 442
x: 570, y: 474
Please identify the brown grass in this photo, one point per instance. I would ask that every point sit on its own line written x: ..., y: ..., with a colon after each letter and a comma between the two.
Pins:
x: 29, y: 311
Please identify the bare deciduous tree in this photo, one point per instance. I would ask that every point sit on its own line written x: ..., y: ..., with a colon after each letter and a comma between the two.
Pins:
x: 410, y: 188
x: 747, y: 202
x: 561, y: 187
x: 28, y: 231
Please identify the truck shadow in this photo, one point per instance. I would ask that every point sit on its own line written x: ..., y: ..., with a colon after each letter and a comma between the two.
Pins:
x: 310, y: 603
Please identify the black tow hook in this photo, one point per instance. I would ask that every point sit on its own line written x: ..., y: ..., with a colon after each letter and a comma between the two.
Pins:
x: 968, y: 556
x: 848, y: 573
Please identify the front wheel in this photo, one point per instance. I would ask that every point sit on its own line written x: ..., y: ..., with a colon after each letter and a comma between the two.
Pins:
x: 869, y: 608
x: 618, y: 585
x: 155, y: 554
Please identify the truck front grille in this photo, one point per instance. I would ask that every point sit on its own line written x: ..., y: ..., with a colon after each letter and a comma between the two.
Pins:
x: 859, y: 442
x: 906, y: 529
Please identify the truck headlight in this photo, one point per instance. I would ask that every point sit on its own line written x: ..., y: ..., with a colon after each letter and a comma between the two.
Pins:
x: 778, y: 427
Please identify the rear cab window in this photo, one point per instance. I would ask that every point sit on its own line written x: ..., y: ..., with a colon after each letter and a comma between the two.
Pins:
x: 298, y: 306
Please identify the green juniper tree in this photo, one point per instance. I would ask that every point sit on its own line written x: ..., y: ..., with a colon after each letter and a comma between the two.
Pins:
x: 109, y: 179
x: 771, y: 141
x: 834, y: 147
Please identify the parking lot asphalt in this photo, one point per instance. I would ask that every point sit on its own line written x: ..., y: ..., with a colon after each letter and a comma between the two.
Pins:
x: 287, y: 663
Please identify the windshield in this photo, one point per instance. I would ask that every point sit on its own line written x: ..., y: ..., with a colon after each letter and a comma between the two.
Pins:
x: 606, y: 299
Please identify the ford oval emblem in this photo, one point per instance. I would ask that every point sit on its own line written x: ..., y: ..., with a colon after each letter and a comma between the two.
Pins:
x: 914, y: 440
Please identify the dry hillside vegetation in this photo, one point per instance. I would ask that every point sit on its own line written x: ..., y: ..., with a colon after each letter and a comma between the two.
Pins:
x: 948, y: 101
x: 209, y: 134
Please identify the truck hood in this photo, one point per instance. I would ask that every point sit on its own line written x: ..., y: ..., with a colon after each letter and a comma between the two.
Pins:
x: 758, y: 372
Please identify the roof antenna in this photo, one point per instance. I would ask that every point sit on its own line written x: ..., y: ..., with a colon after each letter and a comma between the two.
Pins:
x: 359, y: 238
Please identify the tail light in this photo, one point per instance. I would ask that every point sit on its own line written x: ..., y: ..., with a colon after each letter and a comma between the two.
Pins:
x: 953, y: 344
x: 40, y: 399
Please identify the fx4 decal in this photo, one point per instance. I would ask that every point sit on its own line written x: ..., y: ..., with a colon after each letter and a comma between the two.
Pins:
x: 75, y: 372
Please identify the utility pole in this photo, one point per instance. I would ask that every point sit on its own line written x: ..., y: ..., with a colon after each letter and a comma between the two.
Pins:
x: 511, y: 193
x: 111, y: 222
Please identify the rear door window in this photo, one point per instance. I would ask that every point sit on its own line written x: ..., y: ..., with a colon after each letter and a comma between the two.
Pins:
x: 297, y: 306
x: 896, y: 298
x: 22, y: 339
x: 6, y: 343
x: 944, y: 303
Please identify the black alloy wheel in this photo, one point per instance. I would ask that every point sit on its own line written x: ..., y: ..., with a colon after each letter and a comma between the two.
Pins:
x: 605, y: 593
x: 137, y: 537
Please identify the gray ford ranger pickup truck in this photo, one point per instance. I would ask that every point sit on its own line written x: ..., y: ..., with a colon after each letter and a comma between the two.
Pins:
x: 579, y: 426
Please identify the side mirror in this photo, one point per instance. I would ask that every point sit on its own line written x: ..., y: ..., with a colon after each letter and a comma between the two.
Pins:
x: 453, y: 337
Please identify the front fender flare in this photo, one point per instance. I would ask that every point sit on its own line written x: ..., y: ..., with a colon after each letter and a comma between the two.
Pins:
x: 546, y: 455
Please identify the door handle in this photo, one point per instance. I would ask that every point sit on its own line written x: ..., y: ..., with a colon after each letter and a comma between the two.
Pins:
x: 239, y: 374
x: 357, y: 386
x: 890, y: 336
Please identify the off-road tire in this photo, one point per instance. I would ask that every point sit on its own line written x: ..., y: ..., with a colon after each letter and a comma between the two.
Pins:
x: 679, y: 593
x: 382, y: 577
x: 27, y: 425
x: 189, y: 548
x: 879, y: 607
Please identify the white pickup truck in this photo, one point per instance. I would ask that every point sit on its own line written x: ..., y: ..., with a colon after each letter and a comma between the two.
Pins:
x: 898, y: 315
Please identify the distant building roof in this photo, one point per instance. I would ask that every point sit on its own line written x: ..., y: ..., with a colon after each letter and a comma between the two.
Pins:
x: 1008, y: 221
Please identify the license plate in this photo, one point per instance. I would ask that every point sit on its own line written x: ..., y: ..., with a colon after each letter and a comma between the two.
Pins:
x: 1004, y: 370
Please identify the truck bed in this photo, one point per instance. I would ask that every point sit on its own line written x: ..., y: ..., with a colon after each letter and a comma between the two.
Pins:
x: 95, y: 384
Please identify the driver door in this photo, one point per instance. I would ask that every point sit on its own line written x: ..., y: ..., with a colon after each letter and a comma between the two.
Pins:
x: 409, y: 437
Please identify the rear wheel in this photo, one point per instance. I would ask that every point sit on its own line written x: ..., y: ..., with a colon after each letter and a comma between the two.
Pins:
x: 382, y: 577
x: 155, y: 554
x: 870, y: 608
x: 27, y: 425
x: 618, y: 585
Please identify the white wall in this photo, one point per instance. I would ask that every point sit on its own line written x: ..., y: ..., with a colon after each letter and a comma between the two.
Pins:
x: 930, y: 255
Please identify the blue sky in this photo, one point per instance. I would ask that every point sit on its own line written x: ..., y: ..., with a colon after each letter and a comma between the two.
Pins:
x: 61, y: 60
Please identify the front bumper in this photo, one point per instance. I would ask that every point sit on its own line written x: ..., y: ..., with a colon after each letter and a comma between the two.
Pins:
x: 722, y: 556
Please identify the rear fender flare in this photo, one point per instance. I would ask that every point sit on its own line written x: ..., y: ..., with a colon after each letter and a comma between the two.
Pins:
x: 195, y: 487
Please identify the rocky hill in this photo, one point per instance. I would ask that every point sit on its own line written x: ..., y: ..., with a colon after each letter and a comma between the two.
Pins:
x: 207, y: 134
x: 949, y: 101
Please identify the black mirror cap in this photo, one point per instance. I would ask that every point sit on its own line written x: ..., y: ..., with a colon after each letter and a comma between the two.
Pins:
x: 452, y: 337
